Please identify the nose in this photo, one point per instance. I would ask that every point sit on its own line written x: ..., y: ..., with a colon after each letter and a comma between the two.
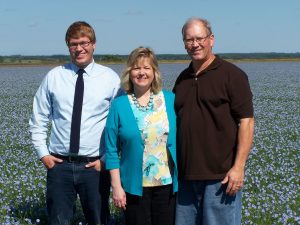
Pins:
x: 78, y: 46
x: 195, y: 43
x: 142, y: 71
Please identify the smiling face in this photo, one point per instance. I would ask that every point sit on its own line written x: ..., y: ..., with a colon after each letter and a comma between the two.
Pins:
x: 81, y: 51
x: 141, y: 75
x: 198, y: 50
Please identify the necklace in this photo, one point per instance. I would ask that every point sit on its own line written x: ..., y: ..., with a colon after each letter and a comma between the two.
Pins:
x: 141, y: 107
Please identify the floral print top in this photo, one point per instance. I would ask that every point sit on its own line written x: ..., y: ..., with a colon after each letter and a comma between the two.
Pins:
x: 154, y: 127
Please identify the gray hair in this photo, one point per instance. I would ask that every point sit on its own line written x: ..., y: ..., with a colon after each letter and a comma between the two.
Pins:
x: 205, y: 23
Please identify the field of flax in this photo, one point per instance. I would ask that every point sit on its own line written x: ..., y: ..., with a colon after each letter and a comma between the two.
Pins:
x: 272, y: 188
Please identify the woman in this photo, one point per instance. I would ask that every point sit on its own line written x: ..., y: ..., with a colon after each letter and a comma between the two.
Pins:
x: 141, y: 146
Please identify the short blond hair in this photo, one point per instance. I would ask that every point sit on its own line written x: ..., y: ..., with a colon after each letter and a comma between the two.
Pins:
x: 135, y: 55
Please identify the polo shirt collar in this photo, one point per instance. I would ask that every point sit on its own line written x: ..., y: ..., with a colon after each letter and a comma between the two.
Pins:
x: 214, y: 64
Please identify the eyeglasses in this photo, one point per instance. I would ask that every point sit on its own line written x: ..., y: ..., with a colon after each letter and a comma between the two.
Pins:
x: 83, y: 44
x: 199, y: 40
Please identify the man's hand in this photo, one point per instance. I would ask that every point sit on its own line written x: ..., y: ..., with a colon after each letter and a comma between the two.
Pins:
x: 235, y: 176
x: 98, y: 165
x: 235, y: 181
x: 49, y: 161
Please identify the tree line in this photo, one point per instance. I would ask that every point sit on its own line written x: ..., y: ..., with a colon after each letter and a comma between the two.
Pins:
x: 59, y: 59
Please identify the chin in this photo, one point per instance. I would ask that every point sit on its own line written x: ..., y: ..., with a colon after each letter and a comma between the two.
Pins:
x: 81, y: 63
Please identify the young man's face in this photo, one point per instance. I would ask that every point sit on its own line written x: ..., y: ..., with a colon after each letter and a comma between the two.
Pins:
x: 81, y: 51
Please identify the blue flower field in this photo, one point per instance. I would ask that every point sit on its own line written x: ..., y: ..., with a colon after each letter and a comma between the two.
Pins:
x: 272, y: 186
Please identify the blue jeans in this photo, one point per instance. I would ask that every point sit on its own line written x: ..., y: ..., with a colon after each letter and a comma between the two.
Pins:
x: 206, y: 203
x: 66, y: 180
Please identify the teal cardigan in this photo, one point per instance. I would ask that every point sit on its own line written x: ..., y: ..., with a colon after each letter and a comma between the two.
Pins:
x: 125, y: 147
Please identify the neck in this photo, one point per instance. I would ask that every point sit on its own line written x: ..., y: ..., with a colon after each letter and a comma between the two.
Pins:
x: 199, y: 66
x: 143, y: 100
x: 141, y: 92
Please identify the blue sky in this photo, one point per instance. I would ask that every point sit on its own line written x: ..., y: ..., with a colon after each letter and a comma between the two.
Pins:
x: 37, y: 27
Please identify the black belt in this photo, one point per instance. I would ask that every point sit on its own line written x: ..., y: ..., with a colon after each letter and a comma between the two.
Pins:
x: 76, y: 159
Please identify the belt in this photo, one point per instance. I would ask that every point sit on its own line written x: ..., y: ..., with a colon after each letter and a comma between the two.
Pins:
x: 76, y: 159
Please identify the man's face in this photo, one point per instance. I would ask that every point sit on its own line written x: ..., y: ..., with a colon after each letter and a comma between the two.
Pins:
x: 81, y: 51
x: 198, y: 42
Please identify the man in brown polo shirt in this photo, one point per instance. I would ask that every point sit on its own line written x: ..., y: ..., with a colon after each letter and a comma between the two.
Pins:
x: 215, y: 132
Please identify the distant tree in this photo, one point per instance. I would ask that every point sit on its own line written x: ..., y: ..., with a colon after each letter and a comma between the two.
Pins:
x: 111, y: 58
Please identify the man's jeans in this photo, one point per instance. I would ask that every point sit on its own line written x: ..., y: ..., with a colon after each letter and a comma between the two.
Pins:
x: 66, y: 180
x: 206, y: 203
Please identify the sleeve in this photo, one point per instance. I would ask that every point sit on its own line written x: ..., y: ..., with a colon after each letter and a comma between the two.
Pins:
x: 240, y: 95
x: 38, y: 123
x: 117, y: 91
x: 112, y: 160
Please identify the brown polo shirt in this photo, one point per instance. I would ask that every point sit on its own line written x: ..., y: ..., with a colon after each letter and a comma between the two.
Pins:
x: 208, y: 109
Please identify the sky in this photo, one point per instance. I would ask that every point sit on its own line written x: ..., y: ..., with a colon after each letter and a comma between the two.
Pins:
x: 37, y: 27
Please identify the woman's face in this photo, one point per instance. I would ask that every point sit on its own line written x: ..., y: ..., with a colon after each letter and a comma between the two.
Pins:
x: 142, y: 75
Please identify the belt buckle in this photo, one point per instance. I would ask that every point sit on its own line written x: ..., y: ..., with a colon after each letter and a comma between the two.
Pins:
x: 72, y: 158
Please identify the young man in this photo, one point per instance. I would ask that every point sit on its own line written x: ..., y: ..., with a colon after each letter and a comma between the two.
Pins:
x: 215, y: 132
x: 75, y: 97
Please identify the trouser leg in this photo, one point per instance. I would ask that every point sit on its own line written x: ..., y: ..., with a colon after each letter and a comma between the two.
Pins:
x: 163, y: 205
x: 104, y: 189
x: 189, y: 203
x: 61, y: 194
x: 87, y: 181
x: 138, y: 208
x: 218, y: 207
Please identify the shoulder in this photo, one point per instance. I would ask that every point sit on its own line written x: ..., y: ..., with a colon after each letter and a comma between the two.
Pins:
x: 169, y: 98
x: 105, y: 70
x: 168, y: 94
x: 120, y: 101
x: 184, y: 74
x: 57, y: 72
x: 231, y: 68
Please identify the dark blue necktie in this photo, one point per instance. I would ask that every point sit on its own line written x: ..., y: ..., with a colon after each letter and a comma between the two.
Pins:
x: 76, y: 115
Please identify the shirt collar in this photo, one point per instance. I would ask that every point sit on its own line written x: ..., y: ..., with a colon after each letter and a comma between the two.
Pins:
x: 214, y: 64
x: 88, y: 69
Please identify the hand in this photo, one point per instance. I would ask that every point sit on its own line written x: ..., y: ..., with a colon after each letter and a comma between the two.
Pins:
x: 98, y: 165
x: 235, y: 181
x: 49, y: 161
x: 119, y: 197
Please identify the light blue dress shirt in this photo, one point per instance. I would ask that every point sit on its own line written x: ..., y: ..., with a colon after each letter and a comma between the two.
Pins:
x: 54, y: 102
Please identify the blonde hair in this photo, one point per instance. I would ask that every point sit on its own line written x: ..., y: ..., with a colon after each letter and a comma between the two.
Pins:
x: 135, y: 55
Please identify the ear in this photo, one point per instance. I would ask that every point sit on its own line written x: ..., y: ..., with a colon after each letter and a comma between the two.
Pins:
x: 212, y: 40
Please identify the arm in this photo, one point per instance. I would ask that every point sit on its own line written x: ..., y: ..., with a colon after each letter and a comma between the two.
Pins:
x: 119, y: 196
x: 112, y: 157
x: 39, y: 124
x: 235, y: 176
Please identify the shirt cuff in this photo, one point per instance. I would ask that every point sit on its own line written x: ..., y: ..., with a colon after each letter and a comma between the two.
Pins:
x: 42, y: 152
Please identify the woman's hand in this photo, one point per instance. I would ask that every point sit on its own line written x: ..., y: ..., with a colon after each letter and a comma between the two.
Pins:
x: 119, y: 197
